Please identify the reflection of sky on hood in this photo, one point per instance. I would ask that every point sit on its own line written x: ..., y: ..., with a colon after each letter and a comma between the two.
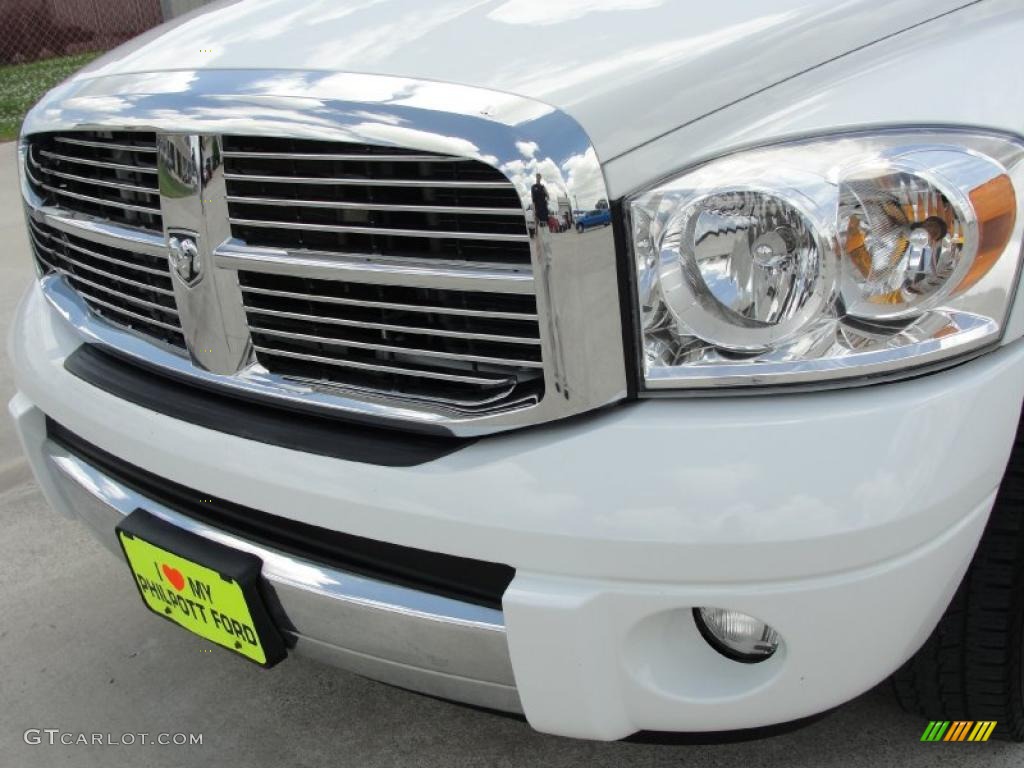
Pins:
x: 547, y: 13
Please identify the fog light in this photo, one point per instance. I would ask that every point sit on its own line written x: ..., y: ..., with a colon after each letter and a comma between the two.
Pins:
x: 736, y: 635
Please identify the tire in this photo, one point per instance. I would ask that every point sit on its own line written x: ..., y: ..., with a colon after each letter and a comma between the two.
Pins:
x: 972, y: 666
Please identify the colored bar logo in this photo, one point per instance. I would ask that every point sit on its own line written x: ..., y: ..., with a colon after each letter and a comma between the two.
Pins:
x: 958, y: 730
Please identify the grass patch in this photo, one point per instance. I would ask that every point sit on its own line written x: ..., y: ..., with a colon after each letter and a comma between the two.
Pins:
x: 22, y: 85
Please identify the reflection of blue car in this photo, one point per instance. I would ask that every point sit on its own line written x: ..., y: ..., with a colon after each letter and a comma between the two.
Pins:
x: 600, y: 217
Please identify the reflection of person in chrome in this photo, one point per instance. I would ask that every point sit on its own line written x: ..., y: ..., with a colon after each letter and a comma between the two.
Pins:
x: 539, y: 193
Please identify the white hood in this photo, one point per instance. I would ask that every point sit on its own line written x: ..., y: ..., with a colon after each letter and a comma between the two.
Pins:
x: 627, y: 70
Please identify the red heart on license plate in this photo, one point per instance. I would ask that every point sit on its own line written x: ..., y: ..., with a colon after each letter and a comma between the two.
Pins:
x: 174, y: 576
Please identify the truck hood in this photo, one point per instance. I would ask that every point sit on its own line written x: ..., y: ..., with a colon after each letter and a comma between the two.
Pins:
x: 626, y: 70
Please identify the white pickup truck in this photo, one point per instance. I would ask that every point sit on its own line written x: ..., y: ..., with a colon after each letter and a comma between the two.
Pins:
x: 317, y: 347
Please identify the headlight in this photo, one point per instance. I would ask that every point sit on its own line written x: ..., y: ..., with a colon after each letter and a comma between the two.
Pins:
x: 845, y: 257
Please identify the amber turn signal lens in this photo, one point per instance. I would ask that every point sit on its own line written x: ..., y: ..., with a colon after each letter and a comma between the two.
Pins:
x: 995, y: 205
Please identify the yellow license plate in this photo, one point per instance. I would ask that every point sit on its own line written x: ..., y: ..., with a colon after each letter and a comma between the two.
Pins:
x: 199, y: 597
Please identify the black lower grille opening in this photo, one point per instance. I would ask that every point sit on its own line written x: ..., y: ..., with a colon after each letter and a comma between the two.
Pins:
x: 468, y: 580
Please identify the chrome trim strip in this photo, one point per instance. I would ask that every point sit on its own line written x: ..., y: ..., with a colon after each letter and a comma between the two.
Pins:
x: 411, y: 351
x: 391, y: 305
x: 100, y: 231
x: 573, y: 274
x: 347, y: 228
x: 328, y: 320
x: 96, y: 163
x: 122, y: 204
x: 329, y: 157
x: 102, y: 288
x: 133, y: 315
x: 102, y: 273
x: 104, y: 145
x: 356, y: 181
x: 100, y: 182
x: 399, y: 635
x: 345, y: 206
x: 365, y: 268
x: 36, y: 232
x: 346, y: 363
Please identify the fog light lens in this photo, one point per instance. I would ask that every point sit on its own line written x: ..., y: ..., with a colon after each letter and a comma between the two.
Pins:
x: 736, y: 635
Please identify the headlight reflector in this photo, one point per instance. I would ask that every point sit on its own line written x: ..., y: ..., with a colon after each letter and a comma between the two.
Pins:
x: 836, y: 258
x: 744, y: 269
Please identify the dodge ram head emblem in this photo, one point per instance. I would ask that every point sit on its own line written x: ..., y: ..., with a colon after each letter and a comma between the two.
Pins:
x: 184, y: 255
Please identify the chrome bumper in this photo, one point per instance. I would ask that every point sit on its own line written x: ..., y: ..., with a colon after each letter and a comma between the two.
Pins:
x: 397, y: 635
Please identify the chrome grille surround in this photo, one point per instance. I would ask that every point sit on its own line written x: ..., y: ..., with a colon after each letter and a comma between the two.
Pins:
x: 561, y: 306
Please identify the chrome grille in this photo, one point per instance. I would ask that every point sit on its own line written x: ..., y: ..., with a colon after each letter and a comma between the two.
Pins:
x: 129, y: 289
x: 363, y: 199
x: 467, y: 349
x: 462, y: 348
x: 111, y: 175
x: 380, y: 263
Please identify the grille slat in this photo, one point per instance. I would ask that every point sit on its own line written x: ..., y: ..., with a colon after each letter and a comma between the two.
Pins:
x: 332, y: 197
x: 77, y: 280
x: 37, y: 232
x: 109, y: 145
x: 493, y: 237
x: 103, y: 273
x: 337, y: 157
x: 395, y: 328
x: 102, y: 201
x: 355, y: 181
x: 108, y: 175
x: 403, y: 350
x: 134, y: 316
x: 432, y: 309
x: 462, y: 348
x: 97, y: 163
x: 153, y: 191
x: 376, y: 206
x: 378, y: 367
x: 127, y: 288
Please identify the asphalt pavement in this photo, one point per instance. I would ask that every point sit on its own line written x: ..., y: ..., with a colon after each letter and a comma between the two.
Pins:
x: 80, y: 655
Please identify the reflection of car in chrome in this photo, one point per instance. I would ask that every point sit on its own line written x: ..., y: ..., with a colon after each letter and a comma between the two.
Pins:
x: 335, y: 376
x: 599, y: 217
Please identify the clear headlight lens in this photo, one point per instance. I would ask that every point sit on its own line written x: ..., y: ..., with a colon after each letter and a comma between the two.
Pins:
x: 836, y: 258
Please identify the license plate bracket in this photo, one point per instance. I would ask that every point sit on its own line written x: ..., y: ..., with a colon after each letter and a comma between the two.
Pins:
x: 203, y: 586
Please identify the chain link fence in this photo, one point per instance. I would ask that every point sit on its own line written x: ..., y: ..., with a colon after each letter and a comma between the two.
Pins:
x: 31, y: 30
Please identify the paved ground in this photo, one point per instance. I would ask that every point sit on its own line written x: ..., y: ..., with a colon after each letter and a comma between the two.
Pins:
x: 79, y: 654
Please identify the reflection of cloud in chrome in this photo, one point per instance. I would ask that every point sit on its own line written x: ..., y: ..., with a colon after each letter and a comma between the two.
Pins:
x: 523, y: 173
x: 527, y: 148
x: 577, y: 181
x: 156, y: 82
x: 96, y: 104
x: 547, y: 13
x: 402, y: 136
x: 583, y: 177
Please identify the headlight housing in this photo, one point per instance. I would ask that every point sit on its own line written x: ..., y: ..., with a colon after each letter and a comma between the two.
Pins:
x: 844, y: 257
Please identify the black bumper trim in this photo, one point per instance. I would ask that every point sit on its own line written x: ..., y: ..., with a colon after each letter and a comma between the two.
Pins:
x: 460, y: 578
x: 256, y: 420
